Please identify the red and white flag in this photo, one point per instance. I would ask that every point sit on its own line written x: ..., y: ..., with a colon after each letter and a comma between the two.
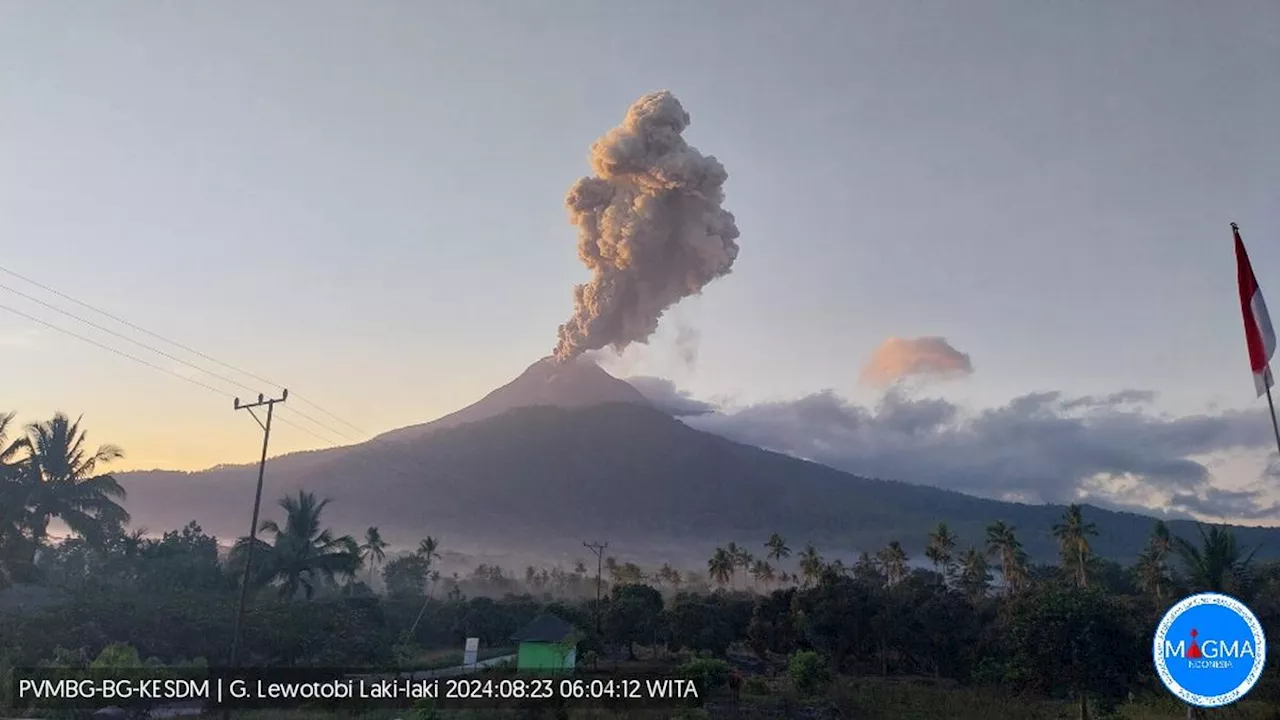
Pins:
x: 1258, y: 333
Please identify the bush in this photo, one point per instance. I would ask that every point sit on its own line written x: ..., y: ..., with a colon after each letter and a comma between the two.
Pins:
x: 808, y: 670
x: 707, y: 673
x: 756, y: 686
x: 117, y: 656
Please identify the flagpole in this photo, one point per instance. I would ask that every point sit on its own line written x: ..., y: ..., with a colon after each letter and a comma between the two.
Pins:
x: 1267, y: 377
x: 1270, y: 404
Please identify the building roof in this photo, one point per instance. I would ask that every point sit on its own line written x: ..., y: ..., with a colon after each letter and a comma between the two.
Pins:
x: 545, y: 628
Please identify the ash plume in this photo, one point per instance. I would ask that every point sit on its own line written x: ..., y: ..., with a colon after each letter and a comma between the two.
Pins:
x: 650, y: 228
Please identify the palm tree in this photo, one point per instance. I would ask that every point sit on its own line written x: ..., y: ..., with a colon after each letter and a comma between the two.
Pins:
x: 893, y: 562
x: 762, y: 571
x: 1073, y: 539
x: 302, y: 554
x: 1153, y: 564
x: 720, y: 566
x: 974, y: 575
x: 1002, y: 543
x: 373, y: 551
x: 428, y: 550
x: 778, y: 550
x: 665, y: 575
x: 62, y: 480
x: 1218, y: 564
x: 13, y: 501
x: 740, y: 557
x: 941, y: 550
x: 811, y: 563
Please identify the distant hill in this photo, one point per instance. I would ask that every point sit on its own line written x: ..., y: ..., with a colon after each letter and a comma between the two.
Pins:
x: 538, y: 481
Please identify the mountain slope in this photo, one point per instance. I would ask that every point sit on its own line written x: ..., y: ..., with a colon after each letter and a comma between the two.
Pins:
x: 577, y: 384
x: 540, y: 480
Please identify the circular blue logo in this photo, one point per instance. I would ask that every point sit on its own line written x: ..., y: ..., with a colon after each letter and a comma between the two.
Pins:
x: 1209, y: 650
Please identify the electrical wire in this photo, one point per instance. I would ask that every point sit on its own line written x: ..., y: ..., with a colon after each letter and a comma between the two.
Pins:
x: 116, y: 351
x: 164, y: 339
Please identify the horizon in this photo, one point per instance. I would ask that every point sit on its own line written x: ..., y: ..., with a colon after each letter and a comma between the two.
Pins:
x: 947, y: 216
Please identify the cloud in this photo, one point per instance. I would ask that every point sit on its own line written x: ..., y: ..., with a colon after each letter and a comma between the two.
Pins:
x: 666, y: 397
x: 900, y: 358
x: 1042, y: 447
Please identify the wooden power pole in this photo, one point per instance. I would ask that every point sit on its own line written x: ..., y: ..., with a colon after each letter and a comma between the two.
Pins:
x: 253, y: 527
x: 598, y: 549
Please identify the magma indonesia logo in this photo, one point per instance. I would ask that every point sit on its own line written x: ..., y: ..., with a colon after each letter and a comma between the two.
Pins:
x: 1209, y: 650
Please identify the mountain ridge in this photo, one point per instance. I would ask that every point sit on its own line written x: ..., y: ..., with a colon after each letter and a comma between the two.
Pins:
x: 539, y: 480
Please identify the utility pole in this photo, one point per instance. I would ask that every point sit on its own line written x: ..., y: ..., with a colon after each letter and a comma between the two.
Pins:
x: 253, y: 527
x: 598, y: 549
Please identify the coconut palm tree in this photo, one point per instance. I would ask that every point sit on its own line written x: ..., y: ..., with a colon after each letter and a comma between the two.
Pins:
x: 429, y: 550
x: 1153, y: 563
x: 1003, y: 543
x: 893, y: 562
x: 778, y: 550
x: 62, y: 480
x: 762, y: 571
x: 1073, y: 540
x: 975, y: 577
x: 13, y: 501
x: 740, y: 557
x: 301, y: 554
x: 374, y: 550
x: 1218, y: 563
x: 720, y: 567
x: 811, y: 564
x: 941, y: 550
x: 664, y: 575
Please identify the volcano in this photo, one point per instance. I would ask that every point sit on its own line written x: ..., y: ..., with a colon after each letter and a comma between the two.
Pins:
x: 567, y: 453
x: 578, y: 383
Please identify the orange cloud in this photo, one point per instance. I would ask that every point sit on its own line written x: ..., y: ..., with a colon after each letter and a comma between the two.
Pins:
x: 899, y: 358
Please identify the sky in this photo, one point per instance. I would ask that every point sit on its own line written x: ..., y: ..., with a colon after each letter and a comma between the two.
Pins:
x: 365, y: 201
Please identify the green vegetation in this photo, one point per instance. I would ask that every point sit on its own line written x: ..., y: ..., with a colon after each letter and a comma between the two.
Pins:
x: 981, y: 633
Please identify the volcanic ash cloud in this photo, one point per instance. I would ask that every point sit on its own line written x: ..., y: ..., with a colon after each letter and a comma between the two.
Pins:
x: 650, y: 228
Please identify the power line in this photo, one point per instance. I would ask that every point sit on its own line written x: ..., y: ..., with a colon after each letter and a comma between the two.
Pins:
x: 140, y: 329
x: 108, y: 348
x: 148, y: 364
x: 164, y: 354
x: 174, y: 343
x: 122, y: 336
x: 328, y: 441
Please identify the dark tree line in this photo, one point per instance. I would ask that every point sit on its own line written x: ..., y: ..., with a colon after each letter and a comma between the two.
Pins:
x: 983, y: 616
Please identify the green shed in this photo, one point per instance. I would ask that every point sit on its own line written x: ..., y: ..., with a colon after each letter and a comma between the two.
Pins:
x: 548, y: 644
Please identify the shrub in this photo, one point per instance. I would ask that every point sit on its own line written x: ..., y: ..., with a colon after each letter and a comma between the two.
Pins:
x: 706, y: 673
x: 807, y: 670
